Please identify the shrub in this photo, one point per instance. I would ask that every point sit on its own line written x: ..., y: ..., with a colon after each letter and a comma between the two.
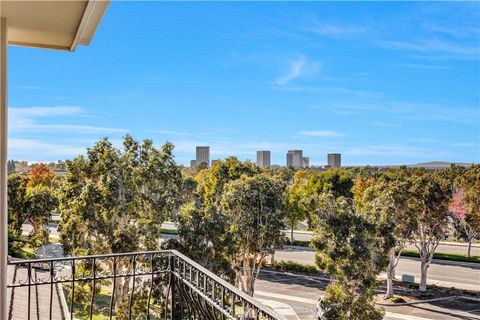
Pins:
x: 294, y: 267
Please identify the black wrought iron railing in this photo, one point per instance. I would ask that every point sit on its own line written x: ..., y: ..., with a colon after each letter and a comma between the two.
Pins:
x: 141, y: 285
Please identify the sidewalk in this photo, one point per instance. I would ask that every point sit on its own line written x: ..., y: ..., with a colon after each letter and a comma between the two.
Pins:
x: 450, y: 243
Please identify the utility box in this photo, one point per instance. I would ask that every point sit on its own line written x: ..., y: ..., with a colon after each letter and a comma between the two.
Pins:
x: 408, y: 278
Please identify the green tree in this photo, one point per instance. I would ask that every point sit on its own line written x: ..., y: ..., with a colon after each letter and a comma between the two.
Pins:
x: 255, y: 208
x: 17, y: 189
x: 115, y: 200
x: 17, y: 203
x: 295, y: 210
x: 40, y: 202
x: 352, y: 248
x: 338, y: 182
x: 204, y: 238
x: 202, y: 224
x: 429, y: 197
x: 389, y: 190
x: 465, y: 206
x: 212, y: 181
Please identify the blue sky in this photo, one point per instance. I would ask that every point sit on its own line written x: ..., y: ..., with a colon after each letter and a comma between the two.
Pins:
x: 380, y: 82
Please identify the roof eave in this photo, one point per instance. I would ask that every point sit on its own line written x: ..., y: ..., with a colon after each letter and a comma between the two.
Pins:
x: 88, y: 25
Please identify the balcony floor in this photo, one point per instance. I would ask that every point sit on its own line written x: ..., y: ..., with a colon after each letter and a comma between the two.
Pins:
x: 40, y: 298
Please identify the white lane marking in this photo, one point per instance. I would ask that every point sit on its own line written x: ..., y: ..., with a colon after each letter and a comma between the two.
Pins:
x: 404, y: 316
x: 280, y: 307
x: 285, y: 297
x: 398, y: 316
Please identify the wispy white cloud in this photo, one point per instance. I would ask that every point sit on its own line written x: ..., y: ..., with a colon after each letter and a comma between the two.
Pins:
x: 174, y: 133
x: 26, y: 87
x: 397, y: 151
x: 36, y: 150
x: 423, y: 66
x: 339, y: 90
x: 335, y: 30
x: 322, y: 133
x: 28, y: 120
x: 458, y: 30
x: 434, y: 141
x: 435, y: 46
x: 409, y: 111
x: 40, y: 111
x: 380, y: 123
x: 297, y: 68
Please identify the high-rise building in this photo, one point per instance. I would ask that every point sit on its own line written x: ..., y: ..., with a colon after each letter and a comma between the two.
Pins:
x: 305, y: 162
x: 203, y: 156
x: 334, y: 160
x: 263, y: 159
x: 294, y: 158
x: 193, y: 163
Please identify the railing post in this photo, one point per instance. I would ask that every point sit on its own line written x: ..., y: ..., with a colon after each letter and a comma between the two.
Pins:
x: 171, y: 264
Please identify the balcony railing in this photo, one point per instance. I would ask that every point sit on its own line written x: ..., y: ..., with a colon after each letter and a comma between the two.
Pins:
x: 140, y: 285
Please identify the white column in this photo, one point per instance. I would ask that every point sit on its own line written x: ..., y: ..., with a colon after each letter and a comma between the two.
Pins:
x: 3, y: 170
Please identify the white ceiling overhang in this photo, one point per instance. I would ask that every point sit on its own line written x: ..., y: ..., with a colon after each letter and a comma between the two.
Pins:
x: 59, y: 25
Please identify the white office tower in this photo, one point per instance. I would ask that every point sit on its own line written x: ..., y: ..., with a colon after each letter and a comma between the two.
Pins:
x: 334, y: 160
x: 203, y: 156
x: 263, y: 159
x: 294, y: 158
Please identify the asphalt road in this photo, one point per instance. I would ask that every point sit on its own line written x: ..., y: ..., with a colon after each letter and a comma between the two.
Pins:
x: 302, y: 292
x: 444, y: 273
x: 458, y: 248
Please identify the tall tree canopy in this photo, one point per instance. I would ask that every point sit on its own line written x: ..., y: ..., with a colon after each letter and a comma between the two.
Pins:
x: 429, y: 196
x: 465, y: 206
x: 353, y: 249
x: 212, y: 181
x: 40, y: 175
x: 389, y: 190
x: 234, y: 220
x: 115, y: 200
x: 255, y: 209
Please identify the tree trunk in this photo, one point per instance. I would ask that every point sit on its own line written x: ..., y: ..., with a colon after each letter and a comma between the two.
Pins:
x: 423, y: 275
x: 390, y: 273
x: 122, y: 286
x: 291, y: 232
x: 272, y: 258
x: 469, y: 246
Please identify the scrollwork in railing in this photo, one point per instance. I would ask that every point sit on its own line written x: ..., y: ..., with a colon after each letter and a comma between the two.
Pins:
x: 143, y: 285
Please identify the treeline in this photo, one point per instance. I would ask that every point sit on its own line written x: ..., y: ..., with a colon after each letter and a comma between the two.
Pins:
x: 230, y: 217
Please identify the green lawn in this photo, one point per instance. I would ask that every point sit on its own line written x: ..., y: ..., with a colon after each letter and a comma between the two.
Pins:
x: 445, y: 256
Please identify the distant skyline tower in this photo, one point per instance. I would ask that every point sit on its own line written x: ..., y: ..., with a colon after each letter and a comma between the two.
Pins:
x: 202, y: 156
x: 334, y: 160
x: 294, y: 158
x: 305, y: 162
x: 263, y: 158
x: 193, y: 163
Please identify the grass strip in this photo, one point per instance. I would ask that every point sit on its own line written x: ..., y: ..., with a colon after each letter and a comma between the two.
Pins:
x: 444, y: 256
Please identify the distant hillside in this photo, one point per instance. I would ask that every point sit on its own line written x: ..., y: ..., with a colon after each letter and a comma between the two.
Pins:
x: 427, y: 165
x: 437, y: 165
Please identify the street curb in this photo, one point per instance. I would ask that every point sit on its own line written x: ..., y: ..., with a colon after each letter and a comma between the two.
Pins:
x: 452, y: 243
x: 425, y: 301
